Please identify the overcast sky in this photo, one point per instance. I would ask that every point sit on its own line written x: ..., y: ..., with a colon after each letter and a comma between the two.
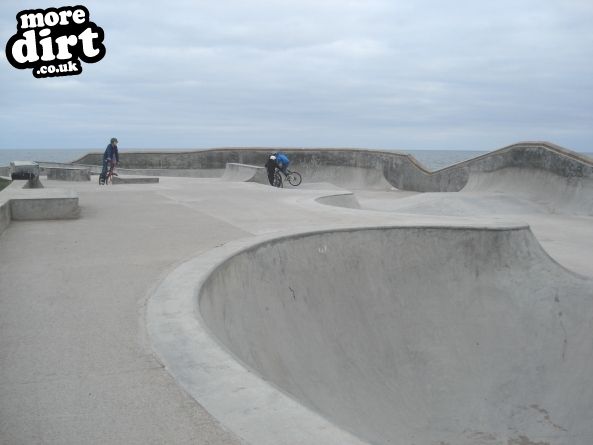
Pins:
x: 391, y: 74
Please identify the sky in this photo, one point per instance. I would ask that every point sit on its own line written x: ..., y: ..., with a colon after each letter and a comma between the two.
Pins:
x: 384, y: 74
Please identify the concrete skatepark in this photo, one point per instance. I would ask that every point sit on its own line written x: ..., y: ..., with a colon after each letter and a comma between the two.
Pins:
x: 378, y: 303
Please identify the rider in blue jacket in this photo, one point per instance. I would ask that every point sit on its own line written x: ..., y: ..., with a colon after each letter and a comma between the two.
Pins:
x: 276, y: 161
x: 282, y: 161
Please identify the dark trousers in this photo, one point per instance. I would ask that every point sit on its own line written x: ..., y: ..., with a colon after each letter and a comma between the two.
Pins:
x: 105, y: 167
x: 271, y: 172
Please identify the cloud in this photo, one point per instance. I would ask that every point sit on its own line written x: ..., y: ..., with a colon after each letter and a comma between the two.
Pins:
x: 376, y: 73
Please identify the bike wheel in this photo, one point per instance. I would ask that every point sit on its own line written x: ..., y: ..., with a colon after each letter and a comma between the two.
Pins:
x: 294, y: 178
x: 277, y: 180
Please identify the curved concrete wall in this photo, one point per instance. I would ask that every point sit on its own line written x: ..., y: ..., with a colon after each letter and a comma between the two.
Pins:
x: 534, y: 156
x: 556, y: 194
x: 400, y: 170
x: 244, y: 173
x: 415, y: 335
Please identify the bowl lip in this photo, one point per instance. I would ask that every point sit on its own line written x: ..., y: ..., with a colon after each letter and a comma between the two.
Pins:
x: 241, y: 401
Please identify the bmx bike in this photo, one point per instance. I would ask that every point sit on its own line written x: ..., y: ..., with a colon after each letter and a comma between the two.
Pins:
x: 293, y: 178
x: 108, y: 179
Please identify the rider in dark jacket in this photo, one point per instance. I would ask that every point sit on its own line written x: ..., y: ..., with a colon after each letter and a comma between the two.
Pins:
x: 111, y: 155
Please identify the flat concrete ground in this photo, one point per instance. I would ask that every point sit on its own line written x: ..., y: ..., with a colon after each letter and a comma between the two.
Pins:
x: 75, y: 363
x: 76, y: 366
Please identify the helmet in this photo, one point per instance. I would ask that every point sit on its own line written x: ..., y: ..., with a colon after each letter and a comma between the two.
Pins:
x: 114, y: 140
x: 273, y: 158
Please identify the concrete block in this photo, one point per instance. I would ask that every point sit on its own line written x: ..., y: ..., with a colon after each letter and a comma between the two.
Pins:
x: 400, y: 170
x: 128, y: 180
x: 24, y: 170
x: 68, y: 174
x: 40, y: 204
x: 20, y: 201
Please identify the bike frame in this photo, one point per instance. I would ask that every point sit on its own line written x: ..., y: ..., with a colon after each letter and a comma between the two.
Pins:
x: 110, y: 174
x: 287, y: 176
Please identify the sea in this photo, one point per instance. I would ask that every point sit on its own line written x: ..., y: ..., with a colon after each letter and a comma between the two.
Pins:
x: 431, y: 159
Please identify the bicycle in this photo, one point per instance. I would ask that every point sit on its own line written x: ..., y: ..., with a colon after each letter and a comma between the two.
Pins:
x: 108, y: 179
x: 294, y: 178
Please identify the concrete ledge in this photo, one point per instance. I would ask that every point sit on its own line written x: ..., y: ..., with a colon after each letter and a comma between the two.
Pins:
x: 68, y: 174
x: 18, y: 202
x: 128, y: 180
x: 44, y: 204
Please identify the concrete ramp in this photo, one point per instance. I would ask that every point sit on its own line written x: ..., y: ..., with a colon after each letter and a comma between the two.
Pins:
x: 244, y: 173
x: 558, y: 194
x: 351, y: 178
x: 414, y: 335
x: 345, y: 199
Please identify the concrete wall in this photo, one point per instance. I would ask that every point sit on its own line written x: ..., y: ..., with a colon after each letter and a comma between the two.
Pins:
x: 4, y: 182
x: 4, y: 204
x: 218, y: 158
x: 68, y: 174
x: 177, y: 172
x: 527, y: 155
x: 401, y: 170
x: 4, y: 214
x: 398, y: 346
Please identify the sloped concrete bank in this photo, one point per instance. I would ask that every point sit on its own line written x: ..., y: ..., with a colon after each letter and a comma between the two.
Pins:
x: 557, y: 194
x: 493, y: 348
x: 244, y: 173
x: 399, y: 169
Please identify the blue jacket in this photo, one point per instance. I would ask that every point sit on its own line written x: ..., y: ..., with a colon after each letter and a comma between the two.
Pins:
x: 111, y: 152
x: 282, y: 160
